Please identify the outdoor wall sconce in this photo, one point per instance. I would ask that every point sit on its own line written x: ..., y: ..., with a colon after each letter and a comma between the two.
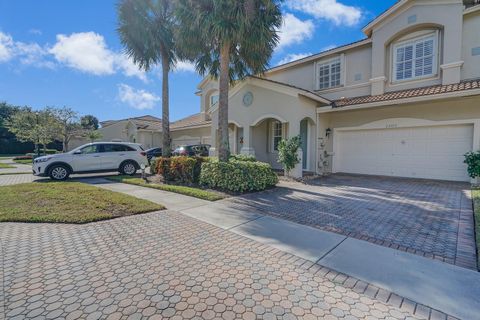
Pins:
x: 328, y: 132
x: 241, y: 140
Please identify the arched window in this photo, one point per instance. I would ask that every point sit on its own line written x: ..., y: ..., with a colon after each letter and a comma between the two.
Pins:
x: 415, y: 58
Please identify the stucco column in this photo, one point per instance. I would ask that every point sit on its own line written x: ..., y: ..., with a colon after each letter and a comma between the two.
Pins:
x: 247, y: 147
x: 293, y: 131
x: 212, y: 152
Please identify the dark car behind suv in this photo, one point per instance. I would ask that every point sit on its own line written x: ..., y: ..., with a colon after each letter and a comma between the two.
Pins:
x: 199, y: 150
x: 153, y: 153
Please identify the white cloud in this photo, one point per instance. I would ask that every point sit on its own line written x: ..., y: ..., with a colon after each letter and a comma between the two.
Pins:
x: 293, y: 56
x: 6, y: 47
x: 332, y: 10
x: 33, y: 54
x: 294, y: 30
x: 128, y: 68
x: 89, y: 53
x: 26, y: 53
x: 86, y: 51
x: 185, y: 66
x: 137, y: 98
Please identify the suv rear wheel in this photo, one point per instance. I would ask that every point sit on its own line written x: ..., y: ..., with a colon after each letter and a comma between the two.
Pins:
x: 59, y: 172
x: 129, y: 168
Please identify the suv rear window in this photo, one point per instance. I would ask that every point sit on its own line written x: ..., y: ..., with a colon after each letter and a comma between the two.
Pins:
x: 117, y: 148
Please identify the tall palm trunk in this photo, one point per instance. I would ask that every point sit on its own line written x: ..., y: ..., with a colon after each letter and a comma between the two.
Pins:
x: 166, y: 139
x: 224, y: 78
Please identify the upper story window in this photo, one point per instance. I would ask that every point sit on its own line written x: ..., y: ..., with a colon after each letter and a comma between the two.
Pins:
x: 329, y: 73
x: 415, y: 58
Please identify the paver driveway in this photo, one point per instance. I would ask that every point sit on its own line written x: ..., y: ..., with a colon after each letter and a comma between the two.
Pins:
x: 430, y: 218
x: 166, y: 265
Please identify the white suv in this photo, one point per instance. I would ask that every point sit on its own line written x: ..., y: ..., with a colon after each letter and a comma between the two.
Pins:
x: 126, y: 158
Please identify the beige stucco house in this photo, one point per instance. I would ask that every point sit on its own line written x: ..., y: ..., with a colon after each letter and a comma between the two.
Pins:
x: 404, y: 101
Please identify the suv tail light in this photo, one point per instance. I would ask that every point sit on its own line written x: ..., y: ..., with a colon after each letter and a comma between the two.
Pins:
x: 143, y: 153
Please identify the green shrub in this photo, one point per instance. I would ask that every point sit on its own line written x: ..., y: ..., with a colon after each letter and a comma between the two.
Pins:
x: 181, y: 169
x: 243, y: 157
x: 237, y: 176
x: 472, y: 159
x: 288, y: 152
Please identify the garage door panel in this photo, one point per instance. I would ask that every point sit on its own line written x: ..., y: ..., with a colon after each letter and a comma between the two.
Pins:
x: 435, y: 152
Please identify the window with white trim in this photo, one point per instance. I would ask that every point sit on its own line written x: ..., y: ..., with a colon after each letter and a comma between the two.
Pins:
x: 415, y: 59
x: 277, y: 130
x: 329, y: 73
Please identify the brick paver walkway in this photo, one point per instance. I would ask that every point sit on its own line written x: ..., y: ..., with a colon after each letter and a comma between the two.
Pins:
x: 429, y: 218
x: 167, y: 265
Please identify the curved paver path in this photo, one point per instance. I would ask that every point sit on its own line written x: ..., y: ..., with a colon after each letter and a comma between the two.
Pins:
x: 166, y: 265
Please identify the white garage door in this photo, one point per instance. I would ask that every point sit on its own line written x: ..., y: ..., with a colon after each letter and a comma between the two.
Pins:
x: 434, y: 152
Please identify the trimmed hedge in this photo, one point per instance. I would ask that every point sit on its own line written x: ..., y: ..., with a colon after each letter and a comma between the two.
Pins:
x: 238, y: 176
x: 181, y: 169
x: 242, y: 157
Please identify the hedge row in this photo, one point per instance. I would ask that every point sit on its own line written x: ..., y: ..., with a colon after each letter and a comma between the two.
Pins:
x: 239, y: 174
x: 181, y: 169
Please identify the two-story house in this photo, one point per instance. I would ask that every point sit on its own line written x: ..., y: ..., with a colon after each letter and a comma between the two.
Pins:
x: 405, y: 101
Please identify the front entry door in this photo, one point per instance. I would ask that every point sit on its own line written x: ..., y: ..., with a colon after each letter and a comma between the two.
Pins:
x: 304, y: 139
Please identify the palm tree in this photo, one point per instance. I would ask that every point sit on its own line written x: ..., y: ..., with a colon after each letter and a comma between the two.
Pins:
x: 228, y: 39
x: 146, y: 29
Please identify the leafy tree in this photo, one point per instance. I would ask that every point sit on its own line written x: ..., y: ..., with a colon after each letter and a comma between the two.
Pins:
x: 94, y: 135
x: 67, y: 125
x: 146, y: 29
x: 288, y: 153
x: 228, y: 39
x: 89, y: 122
x: 6, y: 112
x: 38, y: 127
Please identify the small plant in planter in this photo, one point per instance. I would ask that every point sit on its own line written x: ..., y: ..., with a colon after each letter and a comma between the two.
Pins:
x: 288, y: 153
x: 472, y: 159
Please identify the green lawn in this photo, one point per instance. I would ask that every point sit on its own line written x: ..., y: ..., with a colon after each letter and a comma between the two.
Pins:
x: 13, y: 173
x: 24, y: 161
x: 188, y: 191
x: 476, y: 206
x: 67, y: 202
x: 6, y: 166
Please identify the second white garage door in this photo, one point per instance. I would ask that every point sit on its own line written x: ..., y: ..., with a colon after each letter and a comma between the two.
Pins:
x: 434, y: 152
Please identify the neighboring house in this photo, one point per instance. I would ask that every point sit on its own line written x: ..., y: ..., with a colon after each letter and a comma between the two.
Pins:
x: 405, y: 101
x: 147, y: 130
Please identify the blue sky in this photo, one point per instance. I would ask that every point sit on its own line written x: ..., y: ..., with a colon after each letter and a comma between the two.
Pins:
x: 67, y: 53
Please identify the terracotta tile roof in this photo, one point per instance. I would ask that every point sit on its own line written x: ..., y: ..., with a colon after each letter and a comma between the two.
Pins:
x: 410, y: 93
x: 144, y: 122
x: 190, y: 121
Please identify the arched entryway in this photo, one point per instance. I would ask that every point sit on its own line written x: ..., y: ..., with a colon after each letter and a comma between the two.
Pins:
x: 235, y: 135
x: 307, y: 137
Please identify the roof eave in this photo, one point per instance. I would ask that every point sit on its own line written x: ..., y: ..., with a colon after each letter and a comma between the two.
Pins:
x: 315, y: 97
x: 191, y: 127
x: 319, y: 55
x: 426, y: 98
x: 367, y: 30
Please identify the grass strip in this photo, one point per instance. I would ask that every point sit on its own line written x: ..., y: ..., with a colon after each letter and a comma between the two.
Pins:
x: 188, y: 191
